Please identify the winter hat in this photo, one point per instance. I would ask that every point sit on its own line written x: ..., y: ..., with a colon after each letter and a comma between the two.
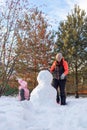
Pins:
x: 59, y: 57
x: 22, y: 82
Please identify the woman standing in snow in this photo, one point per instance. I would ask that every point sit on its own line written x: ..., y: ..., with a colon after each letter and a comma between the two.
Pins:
x: 59, y: 69
x: 23, y: 90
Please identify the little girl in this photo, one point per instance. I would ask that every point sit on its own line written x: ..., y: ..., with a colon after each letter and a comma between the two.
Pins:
x: 23, y: 90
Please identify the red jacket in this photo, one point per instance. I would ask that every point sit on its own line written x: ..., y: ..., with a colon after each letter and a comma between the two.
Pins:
x: 65, y: 65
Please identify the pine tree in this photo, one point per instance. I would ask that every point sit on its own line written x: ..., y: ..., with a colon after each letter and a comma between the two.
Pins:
x: 72, y: 41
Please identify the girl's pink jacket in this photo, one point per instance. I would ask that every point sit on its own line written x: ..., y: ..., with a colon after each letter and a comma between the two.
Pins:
x: 23, y: 85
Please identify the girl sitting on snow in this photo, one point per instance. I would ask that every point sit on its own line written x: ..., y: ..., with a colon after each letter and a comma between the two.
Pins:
x: 23, y: 90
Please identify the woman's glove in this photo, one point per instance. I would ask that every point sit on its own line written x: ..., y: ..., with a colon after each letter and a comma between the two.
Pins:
x: 62, y: 76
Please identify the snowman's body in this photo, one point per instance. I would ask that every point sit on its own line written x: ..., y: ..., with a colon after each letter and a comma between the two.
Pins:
x: 44, y: 93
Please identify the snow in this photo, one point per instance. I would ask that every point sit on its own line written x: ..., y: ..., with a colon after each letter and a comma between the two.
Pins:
x: 44, y: 94
x: 41, y: 112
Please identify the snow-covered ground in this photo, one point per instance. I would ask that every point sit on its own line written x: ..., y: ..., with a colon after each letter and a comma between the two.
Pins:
x: 41, y: 112
x: 16, y: 115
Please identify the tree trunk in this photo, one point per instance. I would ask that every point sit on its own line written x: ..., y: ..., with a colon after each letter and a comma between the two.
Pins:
x: 76, y: 83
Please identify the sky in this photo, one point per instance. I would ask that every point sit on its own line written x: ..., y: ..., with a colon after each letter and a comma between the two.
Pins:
x: 41, y: 112
x: 57, y: 10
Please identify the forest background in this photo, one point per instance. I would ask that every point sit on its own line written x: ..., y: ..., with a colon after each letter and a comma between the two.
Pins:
x: 28, y: 44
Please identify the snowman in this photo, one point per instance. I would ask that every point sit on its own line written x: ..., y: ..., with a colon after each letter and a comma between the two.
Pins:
x: 44, y: 94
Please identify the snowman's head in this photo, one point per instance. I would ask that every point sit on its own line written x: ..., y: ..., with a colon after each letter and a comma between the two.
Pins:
x: 44, y: 77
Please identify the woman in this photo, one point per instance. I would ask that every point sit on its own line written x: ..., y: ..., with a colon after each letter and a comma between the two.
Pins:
x: 59, y: 69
